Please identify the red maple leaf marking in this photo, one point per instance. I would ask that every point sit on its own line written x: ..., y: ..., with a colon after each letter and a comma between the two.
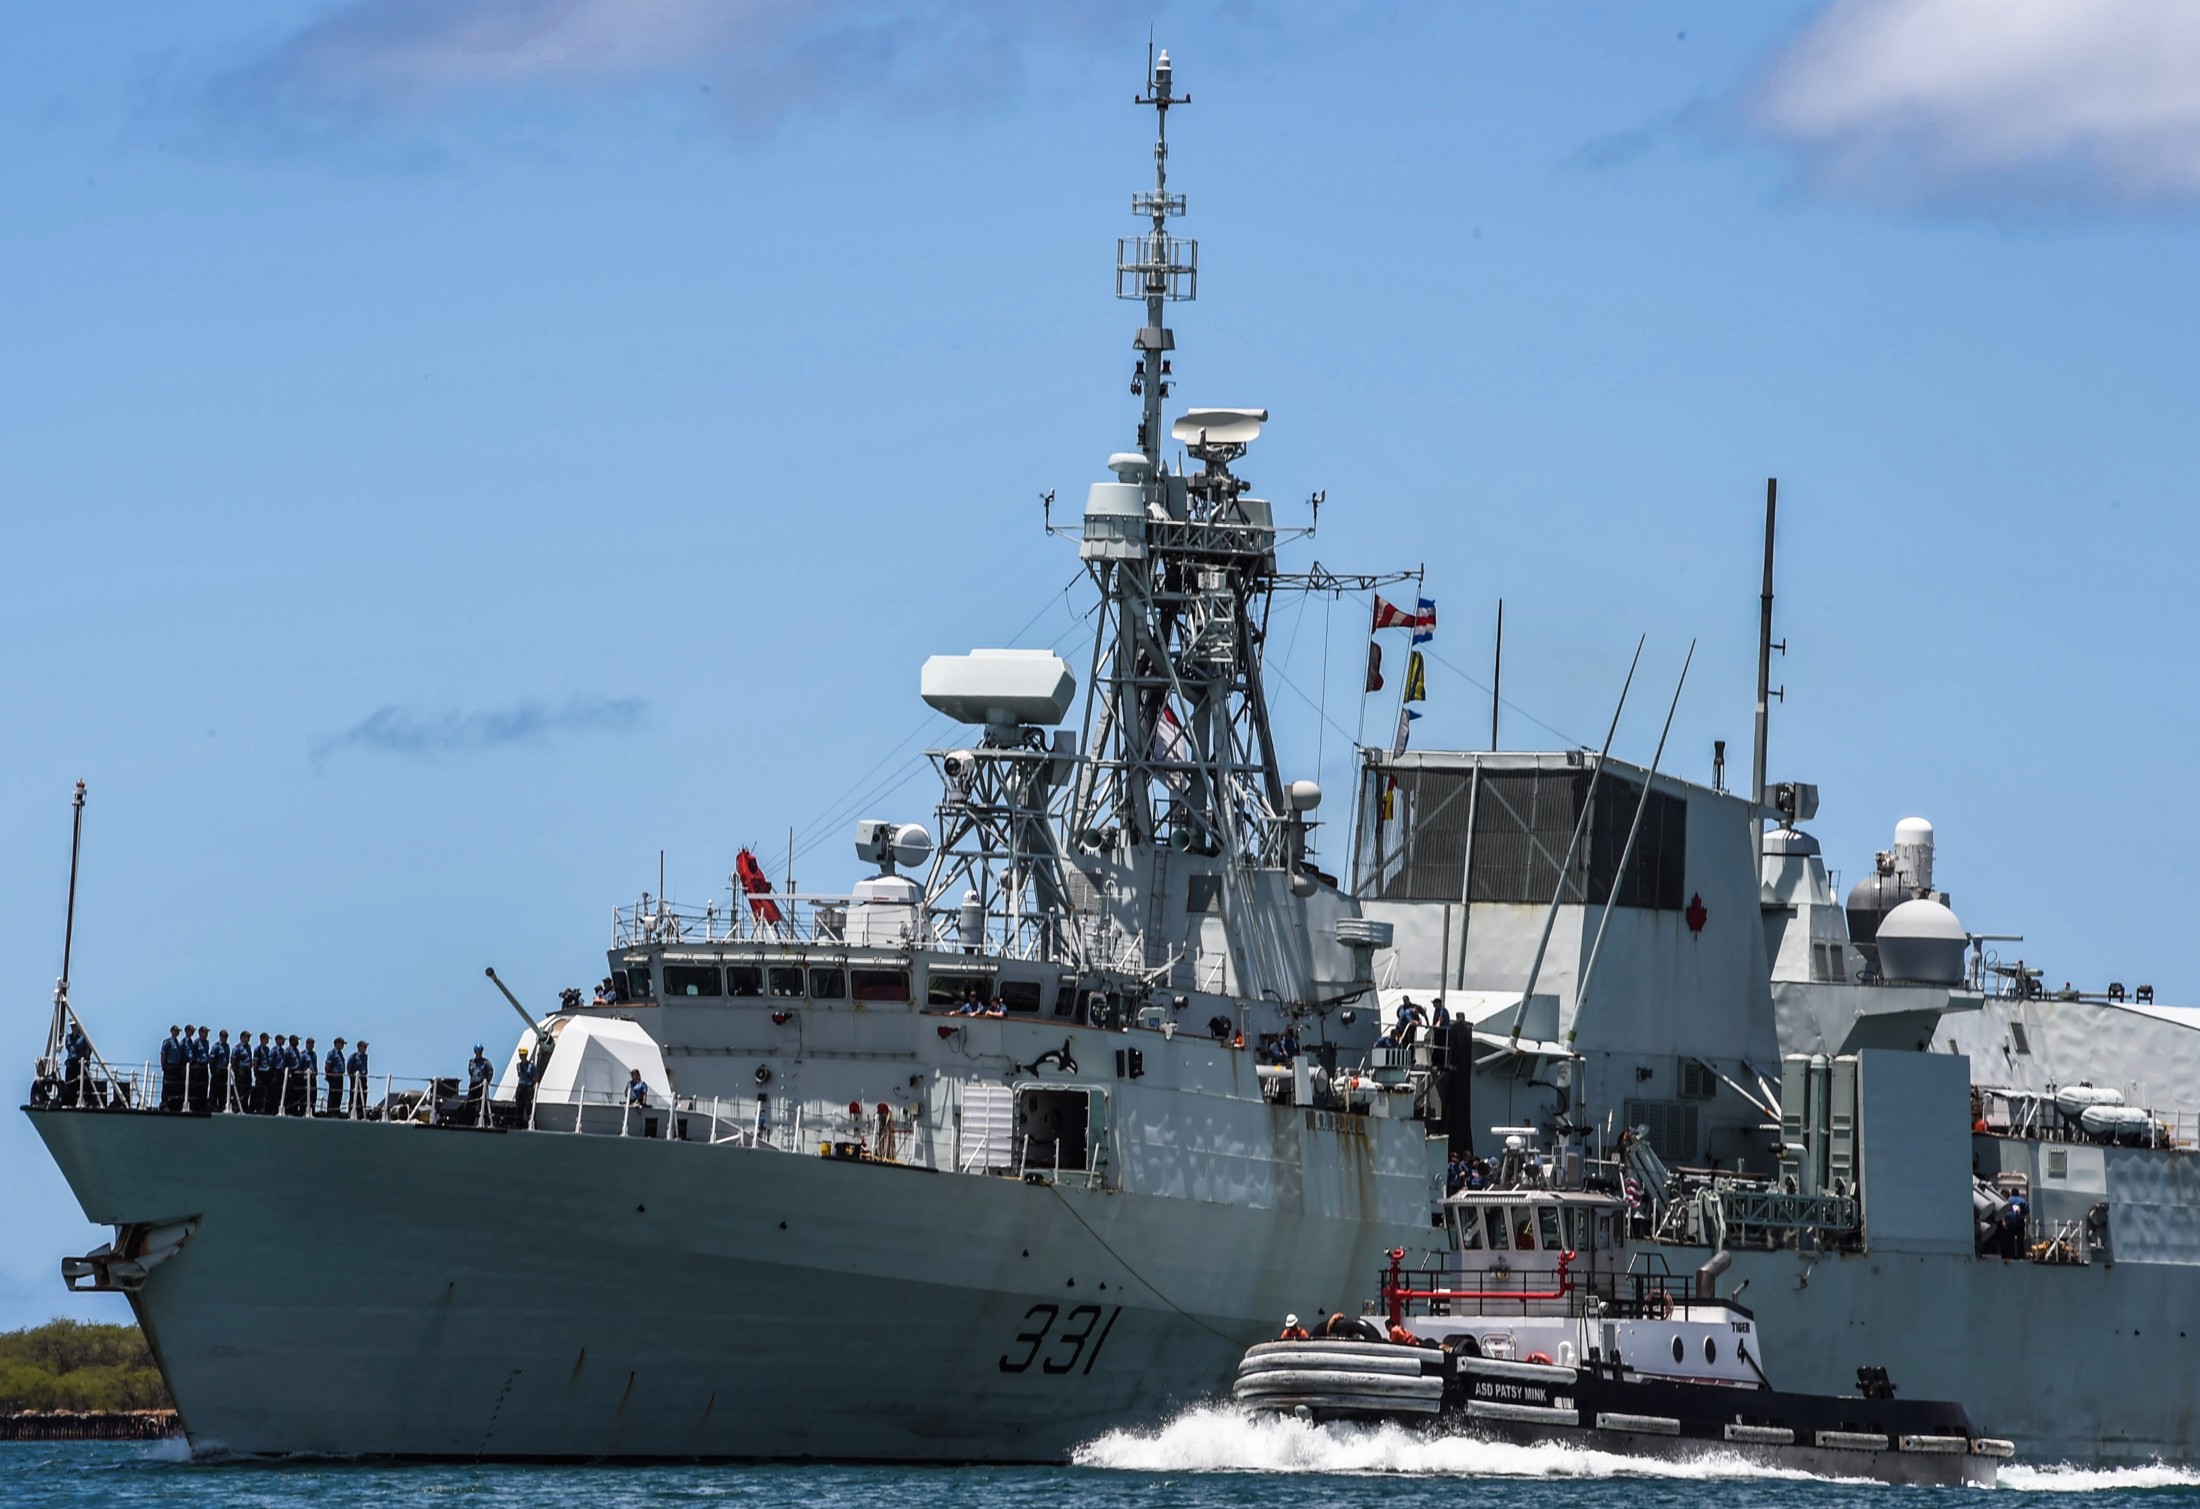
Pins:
x: 1696, y: 914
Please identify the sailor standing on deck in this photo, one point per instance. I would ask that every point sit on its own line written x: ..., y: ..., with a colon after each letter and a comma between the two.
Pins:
x: 295, y: 1078
x: 332, y: 1070
x: 279, y: 1061
x: 202, y: 1068
x: 217, y: 1062
x: 173, y: 1058
x: 265, y: 1067
x: 77, y: 1055
x: 526, y: 1092
x: 477, y: 1085
x: 356, y: 1065
x: 302, y: 1098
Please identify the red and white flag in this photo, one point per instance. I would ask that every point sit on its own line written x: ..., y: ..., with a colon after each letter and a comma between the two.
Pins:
x: 1391, y: 616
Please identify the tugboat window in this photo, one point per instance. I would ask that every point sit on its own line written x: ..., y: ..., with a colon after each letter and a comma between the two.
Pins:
x: 1523, y: 1229
x: 1470, y: 1232
x: 1679, y: 1353
x: 1548, y: 1221
x: 786, y: 980
x: 744, y: 980
x: 828, y: 985
x: 1495, y: 1216
x: 1710, y: 1350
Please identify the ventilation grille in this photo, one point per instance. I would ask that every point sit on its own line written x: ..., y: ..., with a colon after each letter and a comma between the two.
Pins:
x: 1670, y: 1126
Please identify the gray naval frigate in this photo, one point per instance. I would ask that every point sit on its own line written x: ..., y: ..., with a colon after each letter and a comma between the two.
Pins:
x: 1034, y: 1131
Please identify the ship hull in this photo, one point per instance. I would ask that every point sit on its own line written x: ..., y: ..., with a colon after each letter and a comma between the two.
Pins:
x: 2085, y: 1364
x: 358, y: 1289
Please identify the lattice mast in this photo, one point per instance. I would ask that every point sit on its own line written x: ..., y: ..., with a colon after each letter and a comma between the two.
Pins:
x: 1179, y: 750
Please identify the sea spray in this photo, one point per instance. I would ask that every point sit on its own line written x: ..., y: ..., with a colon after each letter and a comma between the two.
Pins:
x: 1221, y: 1438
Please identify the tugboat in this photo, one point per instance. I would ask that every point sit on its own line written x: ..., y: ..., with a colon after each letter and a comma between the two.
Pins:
x: 1536, y: 1326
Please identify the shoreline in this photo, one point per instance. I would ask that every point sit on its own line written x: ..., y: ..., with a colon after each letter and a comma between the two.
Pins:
x: 89, y: 1425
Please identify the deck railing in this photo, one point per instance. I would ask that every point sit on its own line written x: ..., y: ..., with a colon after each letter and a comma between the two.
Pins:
x: 752, y: 1122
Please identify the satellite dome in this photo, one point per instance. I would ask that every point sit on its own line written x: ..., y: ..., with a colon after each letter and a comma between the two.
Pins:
x: 1922, y: 941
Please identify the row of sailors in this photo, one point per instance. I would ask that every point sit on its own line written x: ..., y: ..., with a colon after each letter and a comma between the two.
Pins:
x: 200, y: 1072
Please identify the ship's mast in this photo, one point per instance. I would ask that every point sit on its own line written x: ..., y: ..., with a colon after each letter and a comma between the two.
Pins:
x: 1164, y: 268
x: 1179, y: 754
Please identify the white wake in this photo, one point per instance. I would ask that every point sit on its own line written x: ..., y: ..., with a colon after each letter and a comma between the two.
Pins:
x: 1219, y: 1438
x: 2024, y: 1479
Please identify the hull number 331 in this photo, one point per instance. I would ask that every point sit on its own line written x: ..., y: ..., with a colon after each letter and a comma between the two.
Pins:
x: 1060, y: 1342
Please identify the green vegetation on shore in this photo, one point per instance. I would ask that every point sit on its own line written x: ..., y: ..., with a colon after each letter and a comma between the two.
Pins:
x: 68, y: 1364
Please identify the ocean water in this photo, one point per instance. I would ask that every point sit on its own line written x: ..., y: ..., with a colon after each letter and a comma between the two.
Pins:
x: 1207, y: 1458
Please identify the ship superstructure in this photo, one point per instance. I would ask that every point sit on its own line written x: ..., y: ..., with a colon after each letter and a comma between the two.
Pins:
x: 1062, y: 1107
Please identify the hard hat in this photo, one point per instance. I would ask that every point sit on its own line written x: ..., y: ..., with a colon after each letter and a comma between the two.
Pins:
x: 1290, y: 1320
x: 523, y: 1053
x: 477, y: 1047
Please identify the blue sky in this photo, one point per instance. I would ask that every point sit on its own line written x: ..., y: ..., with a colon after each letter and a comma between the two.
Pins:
x: 451, y: 450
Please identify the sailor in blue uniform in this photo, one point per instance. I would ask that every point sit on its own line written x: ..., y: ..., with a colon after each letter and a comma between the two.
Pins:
x: 477, y: 1085
x: 287, y: 1069
x: 332, y: 1071
x: 302, y: 1098
x: 174, y: 1058
x: 202, y: 1054
x: 267, y: 1068
x: 240, y: 1073
x: 77, y: 1054
x: 217, y: 1063
x: 356, y: 1067
x: 526, y: 1093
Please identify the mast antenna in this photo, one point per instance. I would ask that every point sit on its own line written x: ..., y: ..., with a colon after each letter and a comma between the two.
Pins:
x: 62, y: 1011
x: 1765, y: 690
x: 1157, y: 267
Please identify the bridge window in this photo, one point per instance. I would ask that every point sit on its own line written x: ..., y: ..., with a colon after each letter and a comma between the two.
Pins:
x: 691, y: 979
x: 786, y: 981
x: 1524, y: 824
x: 744, y: 980
x: 1470, y: 1230
x: 1494, y: 1217
x: 828, y: 985
x: 1523, y: 1228
x: 636, y: 976
x: 941, y: 990
x: 1021, y: 996
x: 880, y: 984
x: 1547, y: 1219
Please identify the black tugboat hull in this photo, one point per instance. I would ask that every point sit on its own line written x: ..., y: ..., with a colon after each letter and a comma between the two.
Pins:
x: 1891, y: 1465
x: 1884, y: 1439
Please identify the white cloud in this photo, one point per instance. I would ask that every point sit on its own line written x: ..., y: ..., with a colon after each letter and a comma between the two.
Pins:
x: 369, y: 62
x: 1900, y: 98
